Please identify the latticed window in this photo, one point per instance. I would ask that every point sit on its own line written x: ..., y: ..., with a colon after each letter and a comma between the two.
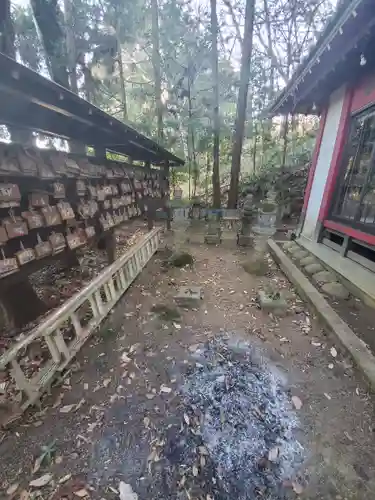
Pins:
x: 354, y: 201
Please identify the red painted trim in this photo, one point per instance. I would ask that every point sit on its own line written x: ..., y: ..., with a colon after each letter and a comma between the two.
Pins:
x: 353, y: 233
x: 337, y: 153
x: 314, y: 160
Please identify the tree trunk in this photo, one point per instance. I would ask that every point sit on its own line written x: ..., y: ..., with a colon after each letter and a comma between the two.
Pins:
x: 70, y: 46
x: 216, y: 119
x: 191, y: 142
x: 247, y: 48
x: 71, y: 58
x: 157, y: 67
x: 48, y: 17
x: 207, y: 176
x: 6, y: 30
x: 255, y: 148
x: 285, y: 140
x: 7, y: 47
x: 122, y: 84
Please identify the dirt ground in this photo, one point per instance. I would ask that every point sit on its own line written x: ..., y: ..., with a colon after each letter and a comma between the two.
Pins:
x: 135, y: 406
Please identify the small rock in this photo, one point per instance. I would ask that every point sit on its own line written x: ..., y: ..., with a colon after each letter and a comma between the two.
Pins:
x: 313, y: 269
x: 323, y: 277
x: 335, y: 290
x: 306, y: 261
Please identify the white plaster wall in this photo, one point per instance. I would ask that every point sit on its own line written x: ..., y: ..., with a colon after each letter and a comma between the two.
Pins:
x: 323, y: 163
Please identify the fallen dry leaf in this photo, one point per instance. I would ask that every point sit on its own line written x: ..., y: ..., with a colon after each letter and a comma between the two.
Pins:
x: 297, y: 488
x: 165, y: 389
x: 297, y: 403
x: 64, y: 479
x: 41, y: 481
x: 37, y: 464
x: 58, y: 400
x: 152, y: 456
x: 67, y: 408
x: 273, y: 454
x: 150, y: 396
x: 81, y: 493
x: 134, y: 347
x: 182, y: 481
x: 106, y: 382
x: 25, y: 495
x: 195, y: 470
x: 12, y: 489
x: 187, y: 419
x: 85, y: 386
x: 203, y: 450
x: 125, y: 358
x: 327, y: 396
x: 79, y: 404
x: 146, y: 422
x: 177, y: 326
x: 333, y: 352
x: 126, y: 492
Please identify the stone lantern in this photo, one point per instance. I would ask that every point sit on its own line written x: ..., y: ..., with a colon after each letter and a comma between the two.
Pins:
x: 177, y: 193
x: 249, y: 211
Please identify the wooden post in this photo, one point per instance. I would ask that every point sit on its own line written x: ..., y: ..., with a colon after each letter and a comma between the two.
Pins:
x: 110, y: 246
x: 168, y: 196
x: 150, y: 215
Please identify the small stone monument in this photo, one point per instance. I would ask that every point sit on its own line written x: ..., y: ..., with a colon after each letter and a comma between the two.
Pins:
x: 244, y: 237
x: 213, y: 230
x: 196, y: 214
x: 263, y: 229
x: 196, y: 229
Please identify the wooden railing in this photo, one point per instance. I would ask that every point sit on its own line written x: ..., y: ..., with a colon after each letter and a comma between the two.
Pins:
x: 63, y: 332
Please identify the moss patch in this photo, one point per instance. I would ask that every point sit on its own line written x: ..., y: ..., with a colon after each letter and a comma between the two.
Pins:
x: 166, y: 313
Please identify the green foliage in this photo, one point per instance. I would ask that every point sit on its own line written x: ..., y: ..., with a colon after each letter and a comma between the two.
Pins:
x: 112, y: 51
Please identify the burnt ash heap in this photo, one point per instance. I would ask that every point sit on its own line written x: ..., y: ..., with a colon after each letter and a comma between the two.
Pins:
x: 237, y: 411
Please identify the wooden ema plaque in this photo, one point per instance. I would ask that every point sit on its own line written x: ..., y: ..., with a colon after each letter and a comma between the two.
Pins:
x: 107, y: 190
x: 51, y: 216
x: 10, y: 195
x: 58, y: 190
x: 25, y: 255
x: 81, y: 188
x: 101, y: 194
x: 92, y: 191
x: 65, y: 210
x: 3, y: 236
x: 15, y: 227
x: 58, y: 242
x: 42, y: 248
x: 7, y: 266
x: 90, y: 231
x: 38, y: 200
x: 74, y: 240
x: 33, y: 219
